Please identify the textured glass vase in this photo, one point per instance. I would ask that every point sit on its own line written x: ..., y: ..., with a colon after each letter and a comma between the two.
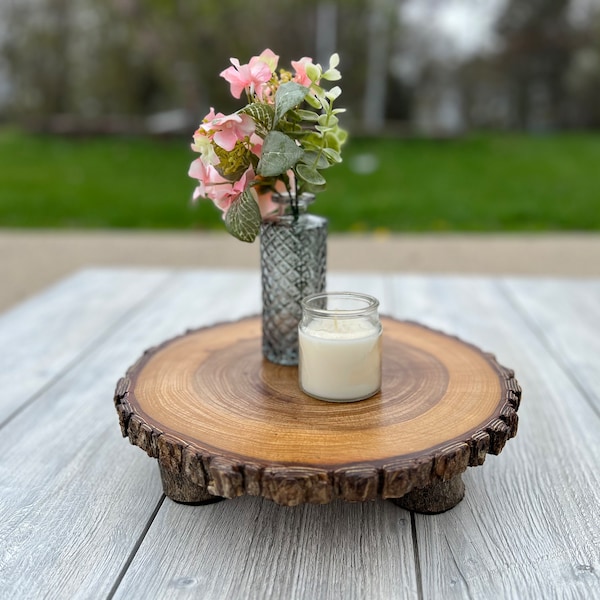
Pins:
x: 293, y: 261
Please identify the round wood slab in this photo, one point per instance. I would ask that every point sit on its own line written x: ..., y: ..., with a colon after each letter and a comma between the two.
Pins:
x: 223, y: 421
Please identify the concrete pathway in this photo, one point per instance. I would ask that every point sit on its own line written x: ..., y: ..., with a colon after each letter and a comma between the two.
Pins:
x: 30, y: 260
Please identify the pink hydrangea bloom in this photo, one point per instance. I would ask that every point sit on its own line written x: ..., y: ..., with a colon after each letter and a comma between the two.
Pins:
x: 300, y: 67
x: 225, y: 194
x: 269, y: 57
x: 252, y: 76
x: 212, y: 115
x: 256, y: 144
x: 203, y: 145
x: 213, y: 186
x: 227, y: 130
x: 206, y: 175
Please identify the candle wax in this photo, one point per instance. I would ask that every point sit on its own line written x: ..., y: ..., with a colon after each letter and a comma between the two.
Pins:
x: 340, y: 359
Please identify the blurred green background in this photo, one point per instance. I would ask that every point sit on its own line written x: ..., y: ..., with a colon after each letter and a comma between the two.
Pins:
x: 463, y: 116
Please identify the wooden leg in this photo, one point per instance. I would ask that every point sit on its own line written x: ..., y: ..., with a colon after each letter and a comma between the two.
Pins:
x: 180, y: 489
x: 435, y: 498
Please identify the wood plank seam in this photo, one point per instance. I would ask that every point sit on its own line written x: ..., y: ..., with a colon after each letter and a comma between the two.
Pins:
x: 84, y: 353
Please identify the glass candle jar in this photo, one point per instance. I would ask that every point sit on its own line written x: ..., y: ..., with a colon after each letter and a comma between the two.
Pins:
x: 340, y: 346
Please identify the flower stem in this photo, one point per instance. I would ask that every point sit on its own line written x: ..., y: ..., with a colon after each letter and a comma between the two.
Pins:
x: 295, y: 209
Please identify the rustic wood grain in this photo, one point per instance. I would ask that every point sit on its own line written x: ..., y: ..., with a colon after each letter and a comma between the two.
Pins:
x: 547, y: 483
x: 66, y: 483
x: 224, y: 421
x: 81, y: 515
x: 44, y: 336
x: 570, y: 339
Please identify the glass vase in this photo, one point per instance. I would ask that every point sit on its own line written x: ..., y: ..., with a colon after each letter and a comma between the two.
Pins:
x: 293, y: 262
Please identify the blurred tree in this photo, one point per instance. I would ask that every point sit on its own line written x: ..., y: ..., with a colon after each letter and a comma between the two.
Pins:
x: 538, y: 42
x: 94, y: 58
x: 137, y: 57
x: 545, y: 73
x: 382, y: 18
x: 36, y: 52
x: 583, y: 80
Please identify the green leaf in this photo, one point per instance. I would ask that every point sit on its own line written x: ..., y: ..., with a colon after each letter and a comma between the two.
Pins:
x: 314, y: 189
x: 313, y: 72
x: 287, y: 96
x: 262, y: 114
x: 332, y: 75
x: 310, y: 175
x: 334, y: 93
x: 307, y: 115
x: 311, y: 157
x: 242, y: 219
x: 314, y: 102
x: 328, y: 121
x: 279, y: 153
x: 332, y: 155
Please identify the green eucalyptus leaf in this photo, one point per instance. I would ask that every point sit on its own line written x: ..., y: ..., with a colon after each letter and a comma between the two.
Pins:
x: 314, y: 102
x: 243, y: 217
x: 313, y: 139
x: 310, y: 175
x: 332, y: 75
x: 332, y: 155
x: 287, y: 96
x: 307, y: 115
x: 313, y: 71
x: 279, y: 154
x: 334, y: 93
x: 328, y: 121
x: 314, y: 189
x: 311, y: 157
x: 341, y: 135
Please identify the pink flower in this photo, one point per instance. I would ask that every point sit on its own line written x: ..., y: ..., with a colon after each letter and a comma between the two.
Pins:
x: 203, y: 145
x: 270, y: 58
x: 225, y: 194
x: 228, y: 130
x: 206, y: 175
x: 300, y: 67
x: 256, y: 144
x: 252, y: 76
x: 213, y: 186
x: 212, y: 115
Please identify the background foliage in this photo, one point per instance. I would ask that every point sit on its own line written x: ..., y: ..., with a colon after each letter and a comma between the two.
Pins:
x: 478, y: 183
x: 539, y: 68
x: 417, y: 103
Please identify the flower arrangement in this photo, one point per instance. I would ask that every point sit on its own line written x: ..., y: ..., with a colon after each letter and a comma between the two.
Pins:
x: 283, y: 138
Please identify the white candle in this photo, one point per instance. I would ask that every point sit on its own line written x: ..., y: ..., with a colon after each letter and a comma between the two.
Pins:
x: 340, y: 347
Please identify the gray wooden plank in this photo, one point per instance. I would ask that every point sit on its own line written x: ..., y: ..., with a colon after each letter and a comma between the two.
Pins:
x: 252, y: 548
x: 41, y: 337
x: 374, y: 284
x: 567, y: 316
x: 529, y: 526
x: 76, y: 497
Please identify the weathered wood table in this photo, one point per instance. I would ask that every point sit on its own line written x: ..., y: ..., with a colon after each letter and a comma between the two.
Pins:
x: 83, y: 515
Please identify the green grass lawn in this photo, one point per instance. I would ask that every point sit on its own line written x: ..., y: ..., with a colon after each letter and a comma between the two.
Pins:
x: 477, y: 183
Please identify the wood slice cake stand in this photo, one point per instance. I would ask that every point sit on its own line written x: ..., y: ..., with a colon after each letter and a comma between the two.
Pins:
x: 224, y: 422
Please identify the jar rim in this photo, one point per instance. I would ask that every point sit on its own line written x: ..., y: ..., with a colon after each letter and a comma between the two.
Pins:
x: 284, y: 198
x: 370, y: 304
